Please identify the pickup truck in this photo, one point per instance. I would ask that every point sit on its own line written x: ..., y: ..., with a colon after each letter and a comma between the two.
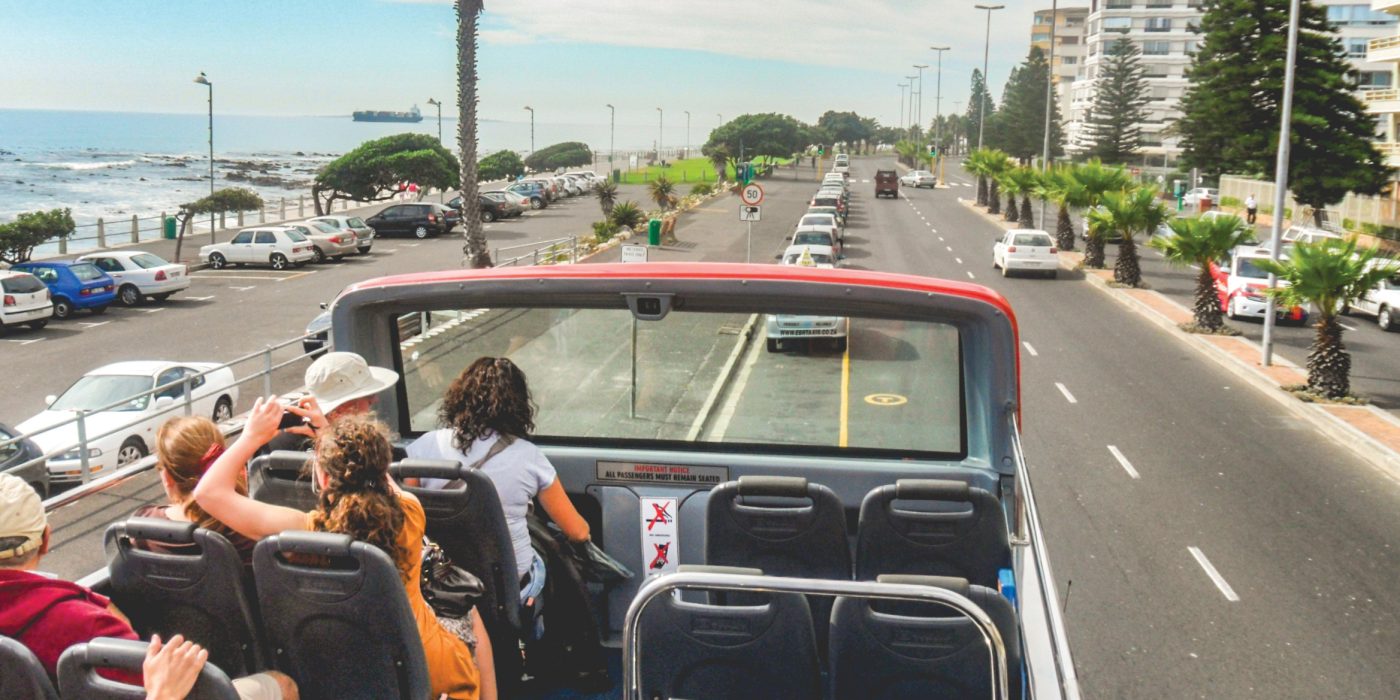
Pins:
x: 886, y: 183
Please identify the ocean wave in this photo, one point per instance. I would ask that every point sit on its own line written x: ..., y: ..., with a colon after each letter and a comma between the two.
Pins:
x: 84, y: 166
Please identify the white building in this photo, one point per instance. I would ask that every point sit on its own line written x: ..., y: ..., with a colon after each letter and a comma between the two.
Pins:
x: 1369, y: 34
x: 1069, y: 26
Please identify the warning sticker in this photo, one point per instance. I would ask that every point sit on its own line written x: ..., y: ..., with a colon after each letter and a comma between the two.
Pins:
x: 683, y: 474
x: 659, y: 548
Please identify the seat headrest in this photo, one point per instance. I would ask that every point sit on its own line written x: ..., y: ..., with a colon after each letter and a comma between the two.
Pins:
x: 712, y: 569
x: 931, y: 489
x: 160, y: 530
x: 328, y: 544
x: 951, y: 583
x: 448, y: 469
x: 786, y: 486
x: 283, y: 459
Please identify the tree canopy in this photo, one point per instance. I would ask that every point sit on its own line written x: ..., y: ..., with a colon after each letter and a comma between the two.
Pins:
x: 752, y: 136
x: 225, y: 200
x: 29, y: 230
x: 501, y: 165
x: 376, y: 170
x: 977, y: 99
x: 846, y: 127
x: 560, y: 155
x: 1020, y: 124
x: 1114, y: 125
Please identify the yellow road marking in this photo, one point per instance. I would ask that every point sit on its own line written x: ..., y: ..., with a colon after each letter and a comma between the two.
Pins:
x: 845, y: 393
x: 886, y: 400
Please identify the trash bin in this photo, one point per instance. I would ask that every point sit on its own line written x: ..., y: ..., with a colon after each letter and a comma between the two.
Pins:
x: 654, y: 232
x: 169, y: 228
x: 617, y: 175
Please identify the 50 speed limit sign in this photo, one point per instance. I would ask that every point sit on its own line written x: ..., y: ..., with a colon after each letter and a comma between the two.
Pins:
x: 752, y: 194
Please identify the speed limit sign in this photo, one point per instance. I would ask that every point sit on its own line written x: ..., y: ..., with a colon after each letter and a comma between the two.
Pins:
x: 752, y: 194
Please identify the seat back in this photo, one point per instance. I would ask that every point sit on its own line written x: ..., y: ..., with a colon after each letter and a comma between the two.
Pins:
x: 280, y: 477
x: 466, y: 519
x: 337, y: 617
x: 970, y: 544
x: 77, y: 673
x: 703, y: 650
x: 897, y: 650
x: 202, y: 595
x: 22, y: 677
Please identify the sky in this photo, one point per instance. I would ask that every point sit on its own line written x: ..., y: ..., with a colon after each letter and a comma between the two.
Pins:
x: 565, y: 58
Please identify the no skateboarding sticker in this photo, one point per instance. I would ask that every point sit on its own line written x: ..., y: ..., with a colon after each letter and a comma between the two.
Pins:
x: 659, y: 548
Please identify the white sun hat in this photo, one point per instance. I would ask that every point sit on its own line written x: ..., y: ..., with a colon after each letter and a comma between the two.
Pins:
x: 338, y: 377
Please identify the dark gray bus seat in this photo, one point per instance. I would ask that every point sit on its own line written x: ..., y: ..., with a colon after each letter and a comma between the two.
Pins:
x: 970, y: 544
x: 281, y: 478
x: 466, y: 519
x: 77, y: 677
x: 701, y: 650
x: 22, y: 677
x: 337, y: 618
x: 200, y: 595
x: 896, y: 649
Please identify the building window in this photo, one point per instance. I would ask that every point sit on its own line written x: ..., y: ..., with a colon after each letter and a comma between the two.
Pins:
x: 1117, y: 24
x: 1374, y: 80
x: 1156, y: 48
x: 1069, y: 60
x: 1118, y: 4
x: 1358, y: 15
x: 1154, y: 70
x: 1069, y: 40
x: 1037, y: 36
x: 1159, y: 24
x: 1158, y: 4
x: 1356, y: 48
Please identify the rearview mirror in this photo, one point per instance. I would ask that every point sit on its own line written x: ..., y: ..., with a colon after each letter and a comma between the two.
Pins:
x: 164, y: 402
x: 48, y: 400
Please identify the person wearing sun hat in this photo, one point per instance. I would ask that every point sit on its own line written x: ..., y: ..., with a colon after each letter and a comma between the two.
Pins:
x: 337, y: 384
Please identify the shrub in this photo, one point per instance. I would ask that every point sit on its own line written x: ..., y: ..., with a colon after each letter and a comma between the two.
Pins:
x: 604, y: 230
x: 627, y: 214
x: 501, y: 165
x: 29, y: 230
x: 560, y: 155
x: 661, y: 191
x: 701, y: 189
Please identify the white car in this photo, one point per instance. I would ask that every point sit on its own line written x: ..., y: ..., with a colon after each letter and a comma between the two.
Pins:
x: 842, y: 164
x: 818, y: 236
x: 1194, y: 197
x: 277, y: 246
x: 1307, y: 234
x: 140, y: 275
x: 591, y: 177
x: 1383, y: 301
x: 781, y: 328
x: 364, y: 235
x: 1026, y: 249
x: 120, y: 435
x: 26, y: 300
x: 918, y: 178
x: 1240, y: 286
x: 828, y: 221
x: 835, y: 179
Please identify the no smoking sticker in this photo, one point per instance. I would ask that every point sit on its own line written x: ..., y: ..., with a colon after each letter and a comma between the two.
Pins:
x: 659, y: 548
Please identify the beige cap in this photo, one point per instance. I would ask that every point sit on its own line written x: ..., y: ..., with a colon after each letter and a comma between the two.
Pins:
x: 21, y: 515
x: 338, y: 377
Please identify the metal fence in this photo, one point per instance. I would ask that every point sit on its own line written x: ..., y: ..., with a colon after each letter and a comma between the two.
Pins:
x: 551, y: 252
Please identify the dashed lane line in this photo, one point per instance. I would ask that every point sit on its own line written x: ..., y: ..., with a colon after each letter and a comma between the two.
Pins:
x: 198, y: 298
x: 153, y: 311
x: 243, y: 289
x: 959, y: 260
x: 1123, y: 462
x: 1214, y: 575
x: 1068, y: 396
x: 970, y: 275
x: 1030, y: 349
x: 17, y: 341
x: 1350, y: 328
x: 92, y: 324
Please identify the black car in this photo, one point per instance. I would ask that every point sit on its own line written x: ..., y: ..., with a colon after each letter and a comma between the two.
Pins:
x: 15, y: 454
x: 421, y: 220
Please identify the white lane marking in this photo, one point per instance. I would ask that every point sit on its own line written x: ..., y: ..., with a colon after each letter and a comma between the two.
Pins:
x: 940, y: 239
x: 731, y: 402
x: 970, y: 275
x: 1214, y: 575
x: 198, y: 298
x: 1030, y: 349
x: 931, y: 228
x: 1343, y: 325
x: 243, y: 289
x: 153, y: 311
x: 22, y: 342
x: 1068, y: 396
x: 959, y: 260
x: 92, y: 324
x: 950, y: 249
x: 412, y: 245
x: 1123, y: 461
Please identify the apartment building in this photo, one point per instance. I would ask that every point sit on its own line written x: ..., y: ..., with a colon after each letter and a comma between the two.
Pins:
x: 1369, y: 33
x: 1069, y: 25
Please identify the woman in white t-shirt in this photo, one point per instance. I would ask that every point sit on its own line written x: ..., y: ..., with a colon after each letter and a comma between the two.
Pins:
x: 489, y: 403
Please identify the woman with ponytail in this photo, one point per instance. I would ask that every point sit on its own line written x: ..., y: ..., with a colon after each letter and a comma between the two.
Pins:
x: 357, y: 497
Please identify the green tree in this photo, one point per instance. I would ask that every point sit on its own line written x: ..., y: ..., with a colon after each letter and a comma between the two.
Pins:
x: 977, y: 100
x: 1138, y: 210
x: 627, y: 215
x: 1059, y: 186
x: 501, y: 165
x: 29, y: 230
x: 377, y: 169
x: 753, y: 136
x: 1020, y: 124
x: 1097, y: 181
x: 719, y: 159
x: 474, y: 249
x: 607, y: 195
x: 1114, y: 126
x: 1231, y: 108
x: 230, y: 199
x: 1199, y: 242
x: 662, y: 192
x: 1327, y: 275
x: 976, y: 163
x: 845, y: 127
x: 1016, y: 181
x: 997, y: 163
x: 560, y: 155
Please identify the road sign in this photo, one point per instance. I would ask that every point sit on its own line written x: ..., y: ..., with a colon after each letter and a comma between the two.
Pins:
x: 750, y: 212
x: 634, y: 253
x: 751, y: 194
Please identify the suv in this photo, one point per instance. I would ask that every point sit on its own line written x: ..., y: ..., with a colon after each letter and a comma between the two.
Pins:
x: 26, y: 300
x: 73, y: 285
x: 421, y: 220
x: 886, y: 183
x: 1240, y: 286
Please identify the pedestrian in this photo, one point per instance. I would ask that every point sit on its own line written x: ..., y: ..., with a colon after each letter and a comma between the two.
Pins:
x: 1251, y: 208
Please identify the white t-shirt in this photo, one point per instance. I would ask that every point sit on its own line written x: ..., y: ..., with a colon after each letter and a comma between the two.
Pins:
x: 519, y: 473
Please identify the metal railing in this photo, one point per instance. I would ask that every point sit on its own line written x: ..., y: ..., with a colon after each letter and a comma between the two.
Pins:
x: 1385, y: 42
x: 631, y: 645
x: 551, y: 252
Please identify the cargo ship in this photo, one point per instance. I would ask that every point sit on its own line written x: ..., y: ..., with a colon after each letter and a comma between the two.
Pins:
x: 412, y: 115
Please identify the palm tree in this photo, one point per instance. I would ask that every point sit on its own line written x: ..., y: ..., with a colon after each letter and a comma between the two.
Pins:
x: 607, y: 195
x: 976, y: 163
x: 475, y: 252
x: 1097, y: 181
x: 997, y: 163
x: 1020, y: 180
x: 1007, y: 183
x: 661, y: 191
x: 1059, y: 186
x: 1327, y: 275
x: 627, y: 215
x: 1199, y: 242
x: 1145, y: 213
x: 1099, y: 226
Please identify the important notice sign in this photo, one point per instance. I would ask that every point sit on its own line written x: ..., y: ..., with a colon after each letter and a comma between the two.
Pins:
x: 680, y: 474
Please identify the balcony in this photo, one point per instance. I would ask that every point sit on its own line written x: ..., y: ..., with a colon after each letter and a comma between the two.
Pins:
x: 1385, y: 101
x: 1391, y: 151
x: 1383, y: 50
x: 1391, y: 6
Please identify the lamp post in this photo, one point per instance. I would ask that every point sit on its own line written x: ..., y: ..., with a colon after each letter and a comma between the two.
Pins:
x: 612, y: 137
x: 437, y: 104
x: 919, y: 112
x: 938, y: 110
x: 202, y: 79
x: 986, y: 85
x: 532, y: 127
x: 901, y: 105
x: 1049, y: 96
x: 687, y: 135
x: 1281, y: 176
x: 660, y: 130
x: 910, y: 132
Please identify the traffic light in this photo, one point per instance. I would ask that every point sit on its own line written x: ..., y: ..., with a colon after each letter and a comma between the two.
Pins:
x: 932, y: 150
x: 821, y: 149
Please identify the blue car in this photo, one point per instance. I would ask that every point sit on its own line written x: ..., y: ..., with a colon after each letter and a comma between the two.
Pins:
x: 73, y: 285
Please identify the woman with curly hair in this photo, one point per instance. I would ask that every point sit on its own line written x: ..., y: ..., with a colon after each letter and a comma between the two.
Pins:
x: 486, y: 416
x: 357, y: 497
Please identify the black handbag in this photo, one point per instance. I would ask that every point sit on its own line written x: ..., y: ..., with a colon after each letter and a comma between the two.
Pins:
x: 450, y: 590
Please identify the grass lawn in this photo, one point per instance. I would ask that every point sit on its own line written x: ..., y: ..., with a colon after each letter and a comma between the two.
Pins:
x: 688, y: 170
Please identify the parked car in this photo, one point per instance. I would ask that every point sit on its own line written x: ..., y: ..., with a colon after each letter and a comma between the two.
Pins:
x: 830, y: 200
x: 818, y: 236
x: 1193, y: 198
x: 421, y: 220
x: 26, y: 300
x: 140, y: 275
x: 809, y: 256
x: 1026, y: 249
x: 590, y: 177
x: 364, y: 235
x: 842, y: 164
x: 824, y: 217
x: 329, y: 241
x: 317, y: 334
x: 120, y: 435
x: 539, y: 199
x: 277, y: 246
x: 521, y: 202
x: 886, y: 183
x: 493, y: 208
x: 918, y: 178
x: 551, y: 188
x: 1240, y: 284
x: 780, y: 329
x: 19, y: 453
x: 1307, y: 234
x: 73, y: 285
x: 1383, y: 300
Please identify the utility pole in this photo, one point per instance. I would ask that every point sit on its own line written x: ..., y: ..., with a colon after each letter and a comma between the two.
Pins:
x: 1049, y: 101
x: 687, y: 135
x: 919, y: 113
x: 660, y: 131
x: 986, y: 84
x: 901, y: 105
x: 437, y: 104
x: 1281, y: 177
x: 532, y: 128
x: 202, y: 79
x: 938, y: 110
x: 612, y: 138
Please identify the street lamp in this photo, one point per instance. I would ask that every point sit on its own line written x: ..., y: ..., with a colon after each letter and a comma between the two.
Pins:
x: 437, y: 104
x: 938, y: 109
x: 612, y: 137
x: 901, y: 105
x: 1049, y: 95
x: 532, y: 127
x: 986, y: 85
x: 660, y: 130
x: 687, y: 135
x: 919, y: 119
x: 202, y: 79
x: 911, y: 78
x: 1281, y: 176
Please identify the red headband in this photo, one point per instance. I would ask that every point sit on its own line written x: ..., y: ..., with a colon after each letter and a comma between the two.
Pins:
x: 210, y: 455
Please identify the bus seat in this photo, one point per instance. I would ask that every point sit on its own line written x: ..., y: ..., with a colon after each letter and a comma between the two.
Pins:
x: 281, y: 478
x: 897, y: 649
x: 966, y: 544
x: 466, y: 519
x: 77, y: 677
x: 337, y: 618
x: 200, y: 595
x: 22, y: 677
x: 702, y: 650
